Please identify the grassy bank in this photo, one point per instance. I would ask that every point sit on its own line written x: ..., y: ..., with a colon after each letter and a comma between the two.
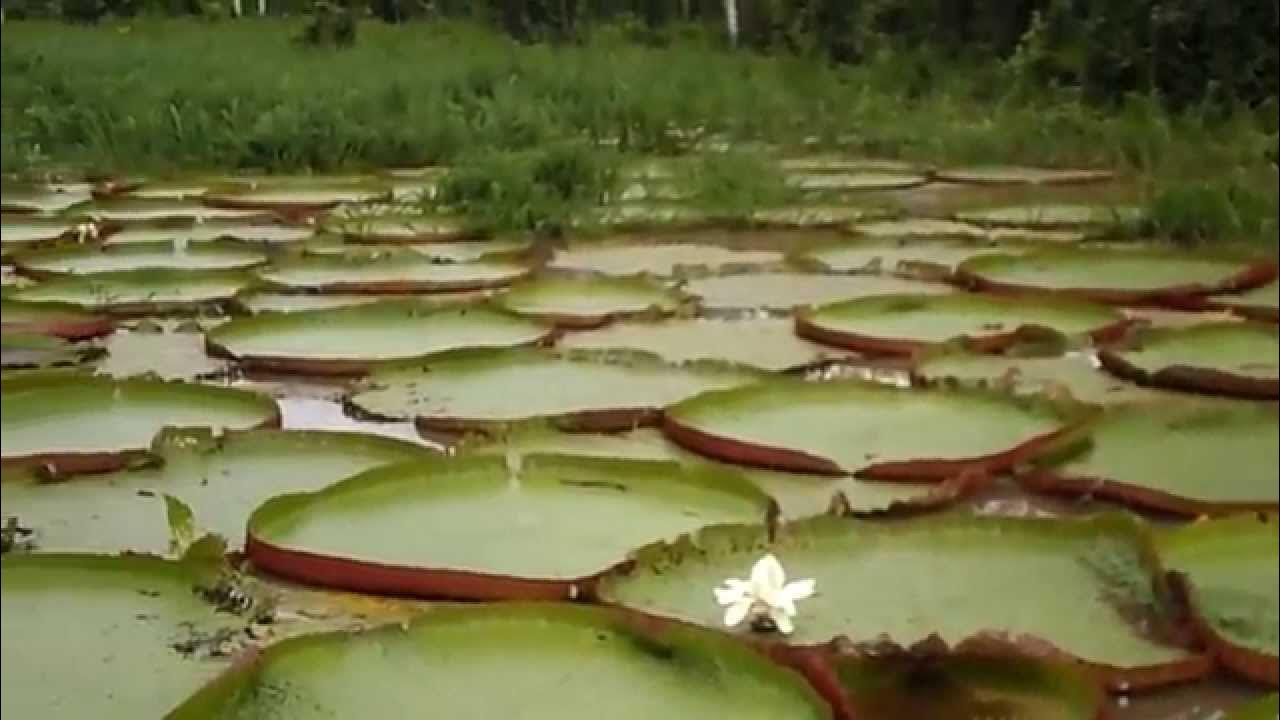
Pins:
x: 164, y: 96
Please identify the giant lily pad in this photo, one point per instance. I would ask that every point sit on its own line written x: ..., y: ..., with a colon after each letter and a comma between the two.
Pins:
x: 56, y: 319
x: 43, y: 199
x: 1056, y: 216
x: 130, y: 210
x: 854, y: 181
x: 787, y: 290
x: 266, y: 232
x: 295, y: 194
x: 221, y: 480
x: 967, y: 686
x: 814, y: 216
x: 557, y: 662
x: 1076, y: 374
x: 1261, y: 303
x: 35, y: 350
x: 1121, y: 276
x: 1229, y: 569
x: 384, y: 227
x: 139, y: 292
x: 875, y: 431
x: 257, y: 301
x: 178, y: 255
x: 764, y: 343
x: 1237, y: 359
x: 953, y: 576
x: 391, y: 274
x: 662, y: 259
x: 1267, y: 708
x: 351, y: 340
x: 445, y: 528
x: 107, y: 637
x: 585, y: 302
x: 1171, y: 456
x: 919, y: 229
x: 19, y: 231
x: 1005, y: 175
x: 596, y: 391
x: 906, y: 324
x: 82, y: 423
x: 902, y: 256
x: 166, y: 349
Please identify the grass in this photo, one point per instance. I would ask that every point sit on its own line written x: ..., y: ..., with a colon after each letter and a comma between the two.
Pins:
x: 542, y: 131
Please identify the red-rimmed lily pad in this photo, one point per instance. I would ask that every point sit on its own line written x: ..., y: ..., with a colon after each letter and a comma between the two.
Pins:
x: 393, y: 226
x: 42, y: 199
x: 766, y: 343
x: 659, y: 259
x: 139, y: 292
x: 586, y: 302
x: 784, y: 291
x: 907, y: 324
x: 1114, y: 275
x: 815, y: 216
x: 601, y: 391
x: 1261, y: 303
x: 1056, y: 217
x: 80, y: 423
x: 1089, y: 588
x: 968, y: 685
x: 132, y: 210
x: 1076, y: 374
x: 108, y: 637
x: 256, y: 302
x: 854, y: 181
x: 1229, y: 570
x: 871, y: 430
x: 295, y: 194
x: 1235, y: 359
x: 262, y: 231
x: 352, y: 340
x: 1170, y: 456
x: 479, y: 528
x: 35, y: 350
x: 1009, y: 175
x: 390, y: 274
x: 556, y: 662
x: 20, y: 231
x: 57, y: 319
x: 177, y: 255
x: 902, y: 256
x: 169, y: 349
x: 222, y: 480
x: 919, y: 229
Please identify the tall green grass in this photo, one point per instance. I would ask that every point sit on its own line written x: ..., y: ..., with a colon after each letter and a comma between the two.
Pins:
x: 544, y: 129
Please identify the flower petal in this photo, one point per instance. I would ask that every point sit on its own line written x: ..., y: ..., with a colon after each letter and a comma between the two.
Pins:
x: 731, y: 592
x: 784, y: 604
x: 768, y: 577
x: 783, y: 622
x: 800, y: 589
x: 737, y: 612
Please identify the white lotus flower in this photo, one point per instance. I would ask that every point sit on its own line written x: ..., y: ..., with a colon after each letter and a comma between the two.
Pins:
x: 766, y: 595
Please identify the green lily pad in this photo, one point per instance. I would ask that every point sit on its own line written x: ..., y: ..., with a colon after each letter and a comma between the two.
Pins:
x: 905, y: 324
x: 1076, y: 374
x: 1112, y: 275
x: 352, y: 340
x: 1007, y: 175
x: 894, y: 256
x: 1238, y: 359
x: 588, y: 301
x: 395, y: 227
x: 107, y: 637
x: 1268, y: 708
x: 815, y: 216
x: 854, y: 181
x: 18, y: 231
x: 93, y: 424
x: 392, y: 274
x: 51, y: 318
x: 919, y: 229
x: 295, y: 194
x: 663, y: 260
x: 765, y: 343
x: 35, y: 350
x: 1231, y: 574
x: 222, y: 480
x: 191, y: 188
x: 257, y: 301
x: 42, y: 199
x: 139, y: 292
x: 1262, y: 303
x: 954, y: 576
x: 159, y: 349
x: 539, y: 650
x: 479, y: 528
x: 179, y: 255
x: 1171, y: 456
x: 263, y: 232
x: 798, y: 495
x: 597, y: 391
x: 875, y: 431
x: 642, y: 215
x: 968, y: 687
x: 784, y: 291
x: 133, y: 210
x: 1055, y: 216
